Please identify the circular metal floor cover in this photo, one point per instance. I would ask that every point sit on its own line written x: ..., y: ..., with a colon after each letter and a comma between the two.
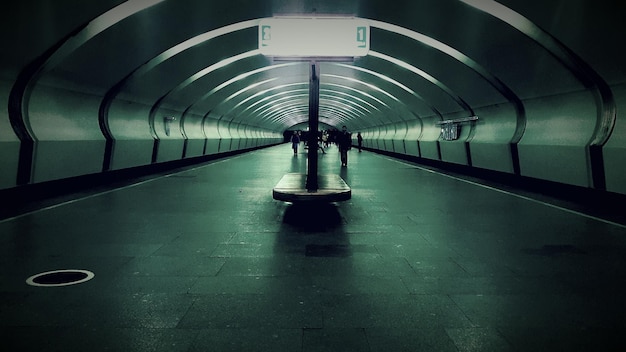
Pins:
x: 60, y: 278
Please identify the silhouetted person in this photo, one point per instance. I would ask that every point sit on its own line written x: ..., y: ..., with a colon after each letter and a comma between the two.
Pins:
x: 359, y: 140
x: 295, y: 141
x: 344, y: 142
x: 320, y: 145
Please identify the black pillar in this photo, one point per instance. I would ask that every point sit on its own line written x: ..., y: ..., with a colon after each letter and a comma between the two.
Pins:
x: 314, y: 109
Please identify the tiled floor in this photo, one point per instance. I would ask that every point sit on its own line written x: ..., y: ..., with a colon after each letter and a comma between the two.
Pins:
x: 206, y: 260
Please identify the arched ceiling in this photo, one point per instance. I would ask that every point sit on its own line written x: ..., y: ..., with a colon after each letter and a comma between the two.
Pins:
x: 427, y: 58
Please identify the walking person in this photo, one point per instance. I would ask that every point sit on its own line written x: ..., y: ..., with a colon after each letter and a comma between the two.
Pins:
x: 359, y: 140
x: 344, y: 142
x: 295, y: 142
x: 320, y: 145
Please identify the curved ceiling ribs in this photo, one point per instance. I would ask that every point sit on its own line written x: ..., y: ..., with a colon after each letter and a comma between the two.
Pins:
x: 354, y: 86
x: 607, y: 110
x: 21, y: 91
x: 357, y: 81
x: 245, y: 87
x: 496, y: 83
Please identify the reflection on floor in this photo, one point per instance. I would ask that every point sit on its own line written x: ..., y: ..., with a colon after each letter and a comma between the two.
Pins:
x: 206, y: 260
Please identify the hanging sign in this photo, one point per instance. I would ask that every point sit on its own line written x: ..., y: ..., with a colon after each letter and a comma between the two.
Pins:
x: 314, y: 37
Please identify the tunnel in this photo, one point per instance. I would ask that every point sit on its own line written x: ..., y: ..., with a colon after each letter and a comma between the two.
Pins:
x: 140, y: 142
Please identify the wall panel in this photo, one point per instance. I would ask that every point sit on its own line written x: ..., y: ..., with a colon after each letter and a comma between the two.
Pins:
x: 414, y: 130
x: 129, y: 126
x: 490, y: 147
x: 212, y: 134
x: 614, y: 151
x: 69, y: 141
x: 9, y: 143
x: 557, y: 132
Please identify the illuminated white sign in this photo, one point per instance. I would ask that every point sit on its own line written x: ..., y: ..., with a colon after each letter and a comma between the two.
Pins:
x: 314, y: 37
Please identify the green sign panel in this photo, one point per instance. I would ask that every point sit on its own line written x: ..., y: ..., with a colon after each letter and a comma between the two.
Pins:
x: 314, y: 36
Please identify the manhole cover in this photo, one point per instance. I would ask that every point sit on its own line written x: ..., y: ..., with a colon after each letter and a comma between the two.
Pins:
x: 60, y: 278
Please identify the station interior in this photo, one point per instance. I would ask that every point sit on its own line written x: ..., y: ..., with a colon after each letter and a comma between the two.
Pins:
x: 152, y: 199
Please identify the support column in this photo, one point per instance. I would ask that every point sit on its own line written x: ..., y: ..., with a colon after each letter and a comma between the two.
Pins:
x: 311, y: 187
x: 314, y: 108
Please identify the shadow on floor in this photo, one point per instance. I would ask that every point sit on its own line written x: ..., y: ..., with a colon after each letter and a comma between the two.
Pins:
x: 312, y: 217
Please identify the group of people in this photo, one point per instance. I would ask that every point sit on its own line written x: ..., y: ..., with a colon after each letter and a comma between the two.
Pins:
x: 343, y: 140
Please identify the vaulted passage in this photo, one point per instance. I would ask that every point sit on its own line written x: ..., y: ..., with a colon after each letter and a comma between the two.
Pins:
x: 528, y: 90
x: 144, y: 142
